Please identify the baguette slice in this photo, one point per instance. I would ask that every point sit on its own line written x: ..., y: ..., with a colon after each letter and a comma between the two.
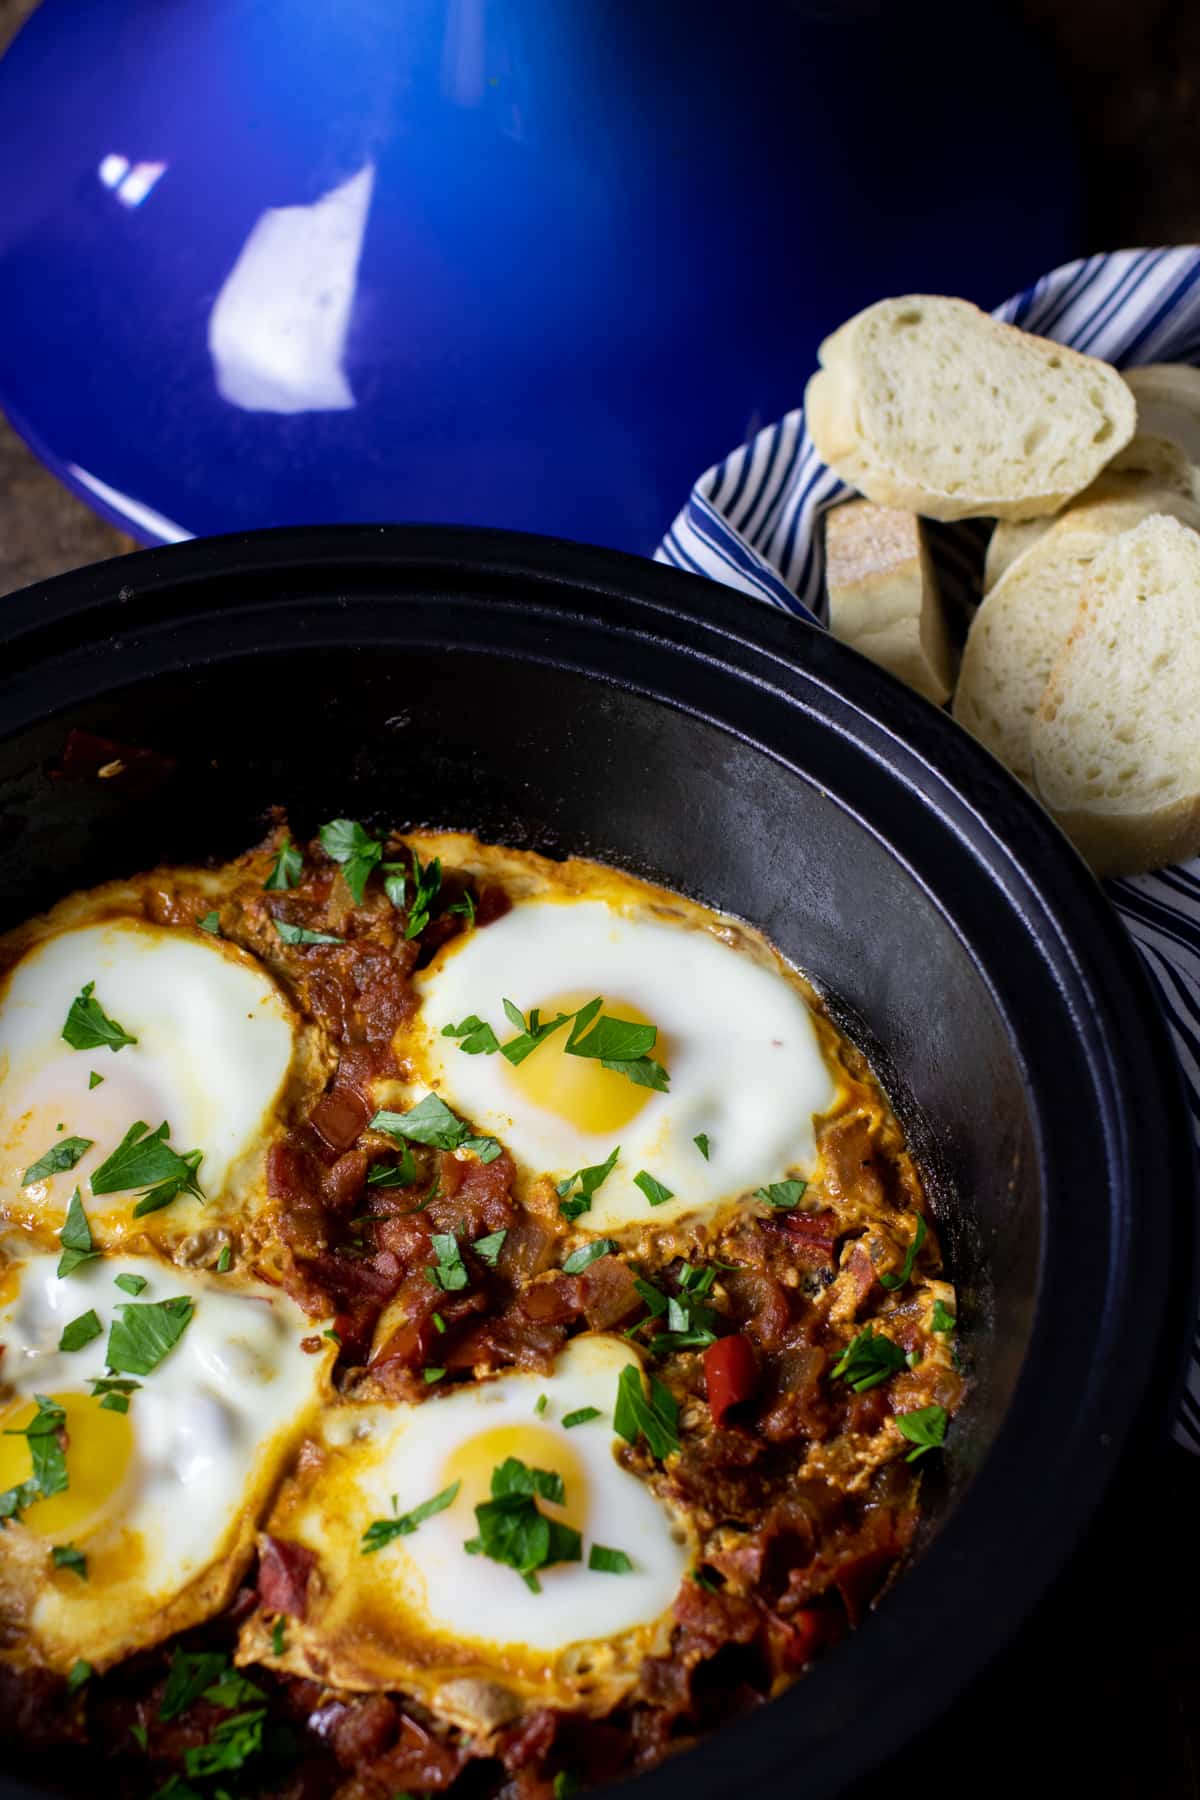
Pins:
x: 1146, y: 464
x: 1116, y: 740
x: 928, y: 404
x: 1020, y: 626
x: 883, y: 595
x: 1168, y: 402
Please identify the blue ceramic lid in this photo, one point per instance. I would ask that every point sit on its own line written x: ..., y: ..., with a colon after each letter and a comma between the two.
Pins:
x: 519, y: 262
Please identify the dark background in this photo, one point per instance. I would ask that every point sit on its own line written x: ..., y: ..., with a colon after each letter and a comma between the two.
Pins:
x: 1100, y: 1696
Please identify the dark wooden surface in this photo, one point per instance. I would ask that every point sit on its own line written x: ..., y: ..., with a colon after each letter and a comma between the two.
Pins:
x: 1100, y: 1696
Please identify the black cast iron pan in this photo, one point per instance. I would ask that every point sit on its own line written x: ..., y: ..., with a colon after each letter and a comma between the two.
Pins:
x: 568, y: 699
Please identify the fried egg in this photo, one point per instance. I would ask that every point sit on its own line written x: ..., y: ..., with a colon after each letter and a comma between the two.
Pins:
x: 464, y: 1632
x: 215, y: 1040
x: 162, y: 1499
x: 738, y: 1042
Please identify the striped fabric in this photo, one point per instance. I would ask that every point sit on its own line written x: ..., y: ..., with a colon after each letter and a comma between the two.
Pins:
x: 753, y: 522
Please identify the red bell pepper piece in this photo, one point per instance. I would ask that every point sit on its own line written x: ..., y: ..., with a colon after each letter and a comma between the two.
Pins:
x: 730, y: 1373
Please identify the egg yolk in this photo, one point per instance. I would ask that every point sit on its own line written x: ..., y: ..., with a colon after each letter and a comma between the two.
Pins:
x: 99, y: 1445
x: 578, y: 1088
x: 473, y: 1462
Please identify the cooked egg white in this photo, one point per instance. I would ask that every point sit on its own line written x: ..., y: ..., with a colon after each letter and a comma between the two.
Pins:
x: 215, y: 1039
x: 745, y: 1064
x: 463, y: 1632
x: 162, y: 1500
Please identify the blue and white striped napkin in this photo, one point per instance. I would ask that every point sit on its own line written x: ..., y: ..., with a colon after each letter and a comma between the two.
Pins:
x: 754, y: 522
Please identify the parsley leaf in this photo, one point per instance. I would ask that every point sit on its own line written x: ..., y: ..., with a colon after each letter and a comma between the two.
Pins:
x: 131, y: 1284
x: 89, y: 1027
x: 115, y: 1393
x: 190, y: 1673
x: 868, y: 1360
x: 433, y: 1123
x: 278, y: 1637
x: 44, y: 1437
x: 450, y: 1271
x: 64, y: 1155
x: 617, y: 1044
x: 919, y: 1236
x: 359, y: 854
x: 300, y: 934
x: 583, y: 1415
x: 464, y: 908
x: 144, y: 1159
x: 476, y: 1037
x: 225, y: 1260
x: 565, y: 1785
x: 146, y: 1332
x: 399, y: 1174
x: 926, y: 1428
x: 403, y: 1525
x: 66, y: 1556
x: 942, y: 1319
x: 427, y: 883
x: 489, y: 1247
x: 429, y: 1376
x: 211, y: 922
x: 701, y: 1142
x: 540, y: 1404
x: 530, y: 1033
x: 80, y: 1331
x: 655, y: 1418
x: 231, y: 1745
x: 783, y: 1195
x: 287, y: 868
x: 233, y: 1689
x: 609, y: 1562
x: 589, y: 1180
x: 81, y: 1671
x: 14, y: 1500
x: 514, y: 1531
x: 590, y: 1253
x: 655, y: 1192
x: 75, y: 1238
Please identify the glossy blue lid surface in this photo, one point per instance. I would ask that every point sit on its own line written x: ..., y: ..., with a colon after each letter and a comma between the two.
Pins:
x: 522, y: 262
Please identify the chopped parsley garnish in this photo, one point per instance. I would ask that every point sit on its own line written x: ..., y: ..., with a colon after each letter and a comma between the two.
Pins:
x: 345, y: 841
x: 513, y: 1529
x: 44, y: 1437
x: 211, y: 922
x: 450, y: 1271
x: 429, y: 1376
x: 540, y: 1404
x: 382, y: 1531
x: 782, y: 1195
x: 656, y: 1193
x: 230, y: 1746
x: 81, y: 1670
x: 75, y: 1238
x: 489, y: 1247
x: 654, y: 1417
x: 926, y: 1428
x: 146, y: 1332
x: 941, y: 1318
x: 439, y: 1324
x: 66, y: 1556
x: 80, y: 1331
x: 689, y: 1321
x: 130, y: 1284
x: 64, y: 1155
x: 588, y: 1181
x: 565, y: 1785
x: 300, y: 934
x: 868, y: 1360
x: 432, y: 1122
x: 191, y: 1672
x: 94, y: 1080
x: 144, y: 1159
x: 278, y: 1637
x: 225, y: 1260
x: 464, y: 909
x: 89, y: 1027
x: 701, y: 1142
x: 906, y: 1268
x: 398, y: 1174
x: 617, y: 1044
x: 141, y: 1737
x: 582, y: 1415
x: 530, y: 1032
x: 475, y: 1036
x: 115, y: 1392
x: 233, y: 1689
x: 287, y: 868
x: 333, y: 1336
x: 427, y: 885
x: 609, y: 1562
x: 590, y: 1253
